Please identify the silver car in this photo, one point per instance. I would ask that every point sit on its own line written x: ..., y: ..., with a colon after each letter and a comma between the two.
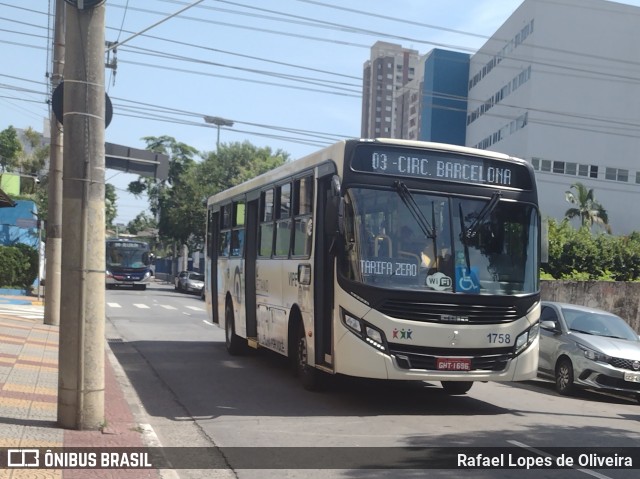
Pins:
x: 587, y: 347
x: 190, y: 282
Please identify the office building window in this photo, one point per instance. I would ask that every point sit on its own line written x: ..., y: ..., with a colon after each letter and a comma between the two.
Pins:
x: 558, y: 167
x: 535, y: 162
x: 617, y: 174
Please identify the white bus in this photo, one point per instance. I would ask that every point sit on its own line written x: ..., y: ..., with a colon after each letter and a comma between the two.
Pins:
x: 383, y: 258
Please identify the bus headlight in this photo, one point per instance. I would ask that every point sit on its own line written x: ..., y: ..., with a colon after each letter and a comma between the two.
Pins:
x: 365, y: 331
x: 525, y: 339
x: 352, y: 323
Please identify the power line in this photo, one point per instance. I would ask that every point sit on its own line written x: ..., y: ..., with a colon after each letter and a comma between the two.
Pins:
x: 311, y: 80
x: 227, y: 77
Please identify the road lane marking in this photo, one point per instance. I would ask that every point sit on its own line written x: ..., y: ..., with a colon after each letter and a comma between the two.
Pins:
x: 195, y: 308
x: 114, y: 305
x: 141, y: 306
x: 167, y: 306
x: 546, y: 454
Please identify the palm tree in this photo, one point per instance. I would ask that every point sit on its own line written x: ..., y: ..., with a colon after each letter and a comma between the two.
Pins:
x: 586, y: 207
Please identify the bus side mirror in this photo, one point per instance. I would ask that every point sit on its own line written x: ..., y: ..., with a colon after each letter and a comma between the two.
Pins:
x: 334, y: 213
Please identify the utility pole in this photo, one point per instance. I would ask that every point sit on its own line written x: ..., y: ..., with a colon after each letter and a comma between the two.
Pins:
x: 82, y: 312
x: 53, y: 247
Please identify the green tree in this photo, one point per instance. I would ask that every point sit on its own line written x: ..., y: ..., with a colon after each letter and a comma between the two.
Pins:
x: 32, y: 162
x: 238, y: 162
x: 586, y: 207
x: 230, y: 165
x: 110, y: 205
x: 10, y: 148
x: 181, y: 158
x: 141, y: 223
x: 179, y: 203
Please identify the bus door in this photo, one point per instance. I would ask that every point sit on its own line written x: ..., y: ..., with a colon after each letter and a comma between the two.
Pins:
x: 213, y: 236
x: 323, y: 279
x: 251, y: 246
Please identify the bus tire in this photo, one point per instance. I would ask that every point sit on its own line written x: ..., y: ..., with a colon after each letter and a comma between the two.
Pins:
x: 456, y: 388
x: 232, y: 342
x: 310, y: 377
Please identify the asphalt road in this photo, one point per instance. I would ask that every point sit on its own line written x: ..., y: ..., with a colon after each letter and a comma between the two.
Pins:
x: 194, y: 394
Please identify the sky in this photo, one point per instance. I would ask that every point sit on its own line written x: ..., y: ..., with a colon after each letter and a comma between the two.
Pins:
x: 288, y: 73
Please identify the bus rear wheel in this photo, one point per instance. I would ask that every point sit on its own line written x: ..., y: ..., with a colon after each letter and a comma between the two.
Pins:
x: 232, y: 341
x: 456, y: 388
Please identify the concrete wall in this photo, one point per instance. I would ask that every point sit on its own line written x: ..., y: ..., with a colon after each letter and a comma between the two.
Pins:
x: 619, y: 297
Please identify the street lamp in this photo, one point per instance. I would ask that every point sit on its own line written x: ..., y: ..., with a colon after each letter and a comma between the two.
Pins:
x: 216, y: 120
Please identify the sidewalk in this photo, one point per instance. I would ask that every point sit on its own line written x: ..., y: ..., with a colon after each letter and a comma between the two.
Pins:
x: 28, y: 397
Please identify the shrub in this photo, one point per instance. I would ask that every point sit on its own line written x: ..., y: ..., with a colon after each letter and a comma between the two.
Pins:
x: 582, y: 256
x: 18, y: 266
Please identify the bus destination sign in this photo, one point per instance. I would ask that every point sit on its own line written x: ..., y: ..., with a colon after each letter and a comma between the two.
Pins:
x: 437, y: 165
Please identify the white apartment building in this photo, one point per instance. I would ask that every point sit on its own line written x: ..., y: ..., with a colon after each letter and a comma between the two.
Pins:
x: 558, y: 84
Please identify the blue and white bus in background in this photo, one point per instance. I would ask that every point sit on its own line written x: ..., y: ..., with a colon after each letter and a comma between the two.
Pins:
x: 128, y: 263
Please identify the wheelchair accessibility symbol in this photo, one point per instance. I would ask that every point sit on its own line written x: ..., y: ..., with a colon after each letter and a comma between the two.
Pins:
x: 467, y: 280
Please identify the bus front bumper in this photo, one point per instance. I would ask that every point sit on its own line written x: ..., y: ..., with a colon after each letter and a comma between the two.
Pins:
x: 354, y: 357
x: 127, y: 279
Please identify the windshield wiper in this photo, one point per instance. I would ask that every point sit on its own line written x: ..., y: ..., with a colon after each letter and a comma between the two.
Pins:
x: 471, y: 232
x: 465, y: 244
x: 410, y: 202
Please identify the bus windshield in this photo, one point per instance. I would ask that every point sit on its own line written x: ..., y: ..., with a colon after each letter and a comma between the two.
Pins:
x: 127, y: 254
x: 426, y: 242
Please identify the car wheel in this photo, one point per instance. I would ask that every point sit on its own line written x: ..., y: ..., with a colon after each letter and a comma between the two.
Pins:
x: 232, y: 341
x: 456, y: 388
x: 564, y: 377
x: 310, y: 377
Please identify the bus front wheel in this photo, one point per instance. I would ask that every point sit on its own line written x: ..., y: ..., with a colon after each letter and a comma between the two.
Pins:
x: 232, y: 341
x: 457, y: 387
x: 309, y: 376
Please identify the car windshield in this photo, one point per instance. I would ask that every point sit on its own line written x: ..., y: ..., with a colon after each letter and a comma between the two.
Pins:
x: 415, y: 241
x: 196, y: 277
x: 598, y: 324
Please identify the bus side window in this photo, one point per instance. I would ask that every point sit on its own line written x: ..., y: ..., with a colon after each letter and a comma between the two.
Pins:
x: 283, y: 222
x: 225, y: 240
x: 237, y: 234
x: 225, y: 233
x: 303, y: 220
x: 266, y: 223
